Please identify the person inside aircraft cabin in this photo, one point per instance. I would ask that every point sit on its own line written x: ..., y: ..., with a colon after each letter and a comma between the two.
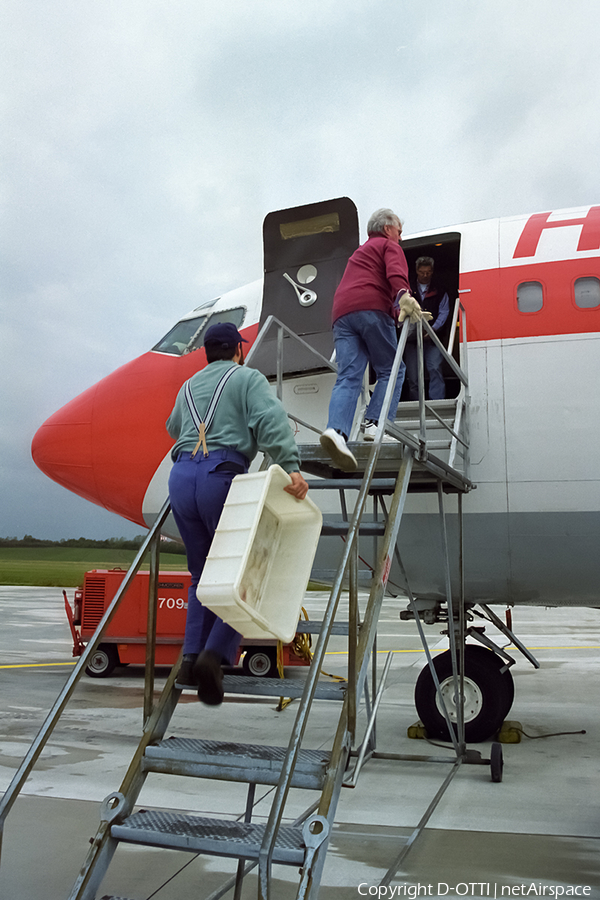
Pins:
x: 364, y: 332
x: 433, y: 298
x: 222, y: 417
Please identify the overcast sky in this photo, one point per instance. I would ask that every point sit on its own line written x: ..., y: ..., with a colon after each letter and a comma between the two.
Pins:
x: 144, y: 141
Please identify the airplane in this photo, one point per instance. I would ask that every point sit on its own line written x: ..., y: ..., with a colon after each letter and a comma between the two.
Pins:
x: 529, y: 286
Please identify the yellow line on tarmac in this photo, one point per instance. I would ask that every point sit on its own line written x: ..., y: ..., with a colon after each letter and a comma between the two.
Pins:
x: 328, y: 653
x: 441, y: 650
x: 38, y: 665
x: 420, y: 650
x: 553, y: 647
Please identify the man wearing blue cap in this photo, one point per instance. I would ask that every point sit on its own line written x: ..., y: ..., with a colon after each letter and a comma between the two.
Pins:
x: 222, y: 417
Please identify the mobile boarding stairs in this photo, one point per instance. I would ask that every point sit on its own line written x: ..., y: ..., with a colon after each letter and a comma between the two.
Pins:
x: 429, y: 453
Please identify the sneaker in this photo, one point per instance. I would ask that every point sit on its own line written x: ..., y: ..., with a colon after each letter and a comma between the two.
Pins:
x: 186, y: 676
x: 334, y: 445
x: 370, y: 430
x: 209, y: 678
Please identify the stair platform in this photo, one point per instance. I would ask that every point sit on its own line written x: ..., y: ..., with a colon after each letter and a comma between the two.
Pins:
x: 215, y: 837
x: 226, y: 761
x: 425, y: 475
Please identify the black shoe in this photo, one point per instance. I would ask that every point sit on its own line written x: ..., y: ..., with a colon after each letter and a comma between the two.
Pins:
x: 209, y: 678
x: 186, y: 675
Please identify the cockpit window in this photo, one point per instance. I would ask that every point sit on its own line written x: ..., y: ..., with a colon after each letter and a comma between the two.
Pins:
x: 188, y: 335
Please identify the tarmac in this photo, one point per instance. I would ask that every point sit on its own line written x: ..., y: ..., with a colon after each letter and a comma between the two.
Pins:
x: 537, y: 833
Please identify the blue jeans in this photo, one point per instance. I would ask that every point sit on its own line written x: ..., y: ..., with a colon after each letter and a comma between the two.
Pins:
x: 363, y: 337
x: 198, y: 489
x: 432, y: 359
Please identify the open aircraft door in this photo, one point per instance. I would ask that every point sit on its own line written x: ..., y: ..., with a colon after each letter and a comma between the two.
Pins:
x: 306, y: 249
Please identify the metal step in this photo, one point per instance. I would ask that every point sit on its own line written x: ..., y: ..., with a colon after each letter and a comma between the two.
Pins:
x: 415, y: 424
x: 249, y: 763
x: 378, y: 485
x: 216, y: 837
x: 366, y: 529
x: 410, y: 408
x: 281, y: 687
x: 313, y: 626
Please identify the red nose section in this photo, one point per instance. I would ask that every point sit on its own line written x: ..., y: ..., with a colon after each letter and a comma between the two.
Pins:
x: 107, y: 443
x: 62, y: 447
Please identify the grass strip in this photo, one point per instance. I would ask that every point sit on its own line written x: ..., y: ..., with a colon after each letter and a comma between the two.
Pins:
x: 66, y: 566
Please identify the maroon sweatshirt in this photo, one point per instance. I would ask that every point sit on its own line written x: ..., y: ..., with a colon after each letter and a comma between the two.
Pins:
x: 373, y: 276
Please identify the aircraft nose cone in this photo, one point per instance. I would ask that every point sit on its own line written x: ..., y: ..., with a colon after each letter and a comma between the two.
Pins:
x: 62, y: 447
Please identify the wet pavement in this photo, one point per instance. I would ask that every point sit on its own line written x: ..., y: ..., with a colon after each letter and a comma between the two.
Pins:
x: 538, y: 829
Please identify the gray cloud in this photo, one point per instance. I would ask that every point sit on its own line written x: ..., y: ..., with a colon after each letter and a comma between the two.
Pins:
x: 144, y: 142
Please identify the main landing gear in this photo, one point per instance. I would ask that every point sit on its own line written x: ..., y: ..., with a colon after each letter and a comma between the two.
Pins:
x: 488, y: 689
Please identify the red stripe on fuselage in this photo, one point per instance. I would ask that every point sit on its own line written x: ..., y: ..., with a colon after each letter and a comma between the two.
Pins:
x: 107, y: 443
x: 490, y: 300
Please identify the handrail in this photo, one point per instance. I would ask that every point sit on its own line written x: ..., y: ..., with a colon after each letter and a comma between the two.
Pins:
x: 281, y: 330
x: 299, y: 727
x: 269, y: 321
x: 455, y: 313
x: 461, y: 371
x: 396, y: 431
x: 449, y: 359
x: 63, y: 698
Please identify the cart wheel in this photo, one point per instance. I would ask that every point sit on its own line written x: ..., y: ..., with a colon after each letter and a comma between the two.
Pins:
x: 103, y: 662
x: 496, y: 762
x: 488, y: 695
x: 261, y: 662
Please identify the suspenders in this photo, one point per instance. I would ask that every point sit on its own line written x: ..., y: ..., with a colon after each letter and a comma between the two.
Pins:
x: 204, y: 424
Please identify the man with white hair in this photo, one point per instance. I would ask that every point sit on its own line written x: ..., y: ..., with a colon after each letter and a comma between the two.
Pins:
x: 364, y: 332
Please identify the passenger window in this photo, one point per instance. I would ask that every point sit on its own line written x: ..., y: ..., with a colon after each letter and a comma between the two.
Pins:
x: 587, y: 292
x: 530, y: 297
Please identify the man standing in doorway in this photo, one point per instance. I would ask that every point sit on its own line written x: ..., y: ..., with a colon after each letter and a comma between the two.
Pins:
x: 433, y: 298
x: 364, y: 332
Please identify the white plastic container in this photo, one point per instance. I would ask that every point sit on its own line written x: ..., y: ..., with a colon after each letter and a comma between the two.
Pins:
x: 261, y: 556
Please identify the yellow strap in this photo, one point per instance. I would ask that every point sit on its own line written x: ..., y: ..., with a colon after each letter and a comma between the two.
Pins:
x: 201, y: 441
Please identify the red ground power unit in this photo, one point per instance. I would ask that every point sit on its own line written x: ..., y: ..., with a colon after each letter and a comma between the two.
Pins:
x: 124, y: 641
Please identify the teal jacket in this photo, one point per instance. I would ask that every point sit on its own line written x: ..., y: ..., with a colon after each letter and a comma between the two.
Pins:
x: 249, y: 417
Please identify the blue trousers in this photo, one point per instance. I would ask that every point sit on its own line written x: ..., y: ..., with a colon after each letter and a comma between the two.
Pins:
x: 432, y: 359
x: 363, y: 337
x: 198, y: 489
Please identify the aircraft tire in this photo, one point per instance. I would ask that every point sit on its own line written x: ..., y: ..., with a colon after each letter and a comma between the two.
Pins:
x: 489, y: 694
x: 103, y: 661
x: 261, y: 662
x: 476, y: 650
